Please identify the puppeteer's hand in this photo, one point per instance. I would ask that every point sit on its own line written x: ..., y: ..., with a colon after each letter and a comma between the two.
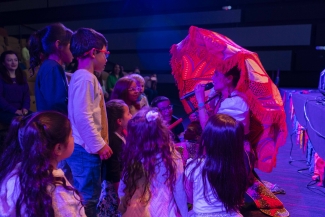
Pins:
x: 199, y: 93
x: 105, y: 153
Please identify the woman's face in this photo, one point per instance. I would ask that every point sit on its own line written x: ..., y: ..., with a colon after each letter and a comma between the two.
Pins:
x: 220, y: 81
x: 133, y: 92
x: 11, y: 62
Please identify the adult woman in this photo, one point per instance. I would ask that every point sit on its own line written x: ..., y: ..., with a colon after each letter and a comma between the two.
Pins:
x: 14, y: 91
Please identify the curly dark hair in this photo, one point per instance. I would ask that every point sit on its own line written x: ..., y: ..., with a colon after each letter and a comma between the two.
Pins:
x: 145, y: 141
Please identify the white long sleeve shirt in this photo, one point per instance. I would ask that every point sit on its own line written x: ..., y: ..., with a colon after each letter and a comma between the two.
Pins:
x: 84, y: 110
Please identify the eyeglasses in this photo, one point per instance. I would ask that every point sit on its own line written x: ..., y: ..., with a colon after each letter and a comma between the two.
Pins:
x: 168, y: 108
x: 134, y: 89
x: 106, y: 52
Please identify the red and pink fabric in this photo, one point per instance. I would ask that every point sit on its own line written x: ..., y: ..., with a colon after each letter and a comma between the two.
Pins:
x: 201, y: 53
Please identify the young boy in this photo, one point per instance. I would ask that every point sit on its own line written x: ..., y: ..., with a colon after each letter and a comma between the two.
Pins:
x: 142, y: 100
x: 86, y: 109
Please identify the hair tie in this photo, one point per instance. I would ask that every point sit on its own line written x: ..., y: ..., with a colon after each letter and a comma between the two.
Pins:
x: 152, y: 116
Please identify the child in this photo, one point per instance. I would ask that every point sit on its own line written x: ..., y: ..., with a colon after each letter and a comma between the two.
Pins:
x: 192, y: 135
x: 152, y: 183
x: 51, y: 43
x: 32, y: 185
x: 127, y: 90
x: 88, y: 116
x: 118, y: 115
x: 216, y: 180
x: 142, y: 100
x: 166, y: 109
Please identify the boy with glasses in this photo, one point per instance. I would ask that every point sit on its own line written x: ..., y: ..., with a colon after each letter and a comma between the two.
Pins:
x: 166, y: 110
x: 87, y: 113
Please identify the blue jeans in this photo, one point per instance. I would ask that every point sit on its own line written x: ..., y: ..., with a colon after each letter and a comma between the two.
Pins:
x: 86, y: 174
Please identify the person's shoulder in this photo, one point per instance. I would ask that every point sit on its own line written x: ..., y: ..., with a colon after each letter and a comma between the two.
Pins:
x: 49, y: 66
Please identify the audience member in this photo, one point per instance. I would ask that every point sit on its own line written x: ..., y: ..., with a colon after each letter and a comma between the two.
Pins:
x: 14, y: 90
x: 150, y: 88
x: 127, y: 90
x: 166, y: 110
x: 100, y: 80
x: 88, y: 116
x: 216, y: 180
x: 49, y: 47
x: 114, y: 75
x: 152, y: 183
x: 118, y: 115
x: 192, y: 135
x: 31, y: 184
x: 142, y: 100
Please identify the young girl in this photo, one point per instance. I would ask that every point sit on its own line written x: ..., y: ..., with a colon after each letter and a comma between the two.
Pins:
x: 50, y: 47
x: 152, y: 183
x: 127, y: 90
x: 32, y: 185
x: 118, y: 115
x: 216, y: 180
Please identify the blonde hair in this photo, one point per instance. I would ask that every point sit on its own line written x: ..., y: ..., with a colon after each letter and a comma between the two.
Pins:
x: 138, y: 78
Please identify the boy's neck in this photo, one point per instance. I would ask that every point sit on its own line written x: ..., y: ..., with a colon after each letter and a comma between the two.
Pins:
x: 86, y: 64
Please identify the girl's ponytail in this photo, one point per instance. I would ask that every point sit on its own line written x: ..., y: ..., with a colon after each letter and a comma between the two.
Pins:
x: 35, y: 50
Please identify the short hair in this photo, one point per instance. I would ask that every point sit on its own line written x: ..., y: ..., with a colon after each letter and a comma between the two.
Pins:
x: 84, y: 39
x: 159, y: 99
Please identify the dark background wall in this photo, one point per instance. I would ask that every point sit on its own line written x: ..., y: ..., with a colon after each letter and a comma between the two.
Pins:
x: 284, y: 33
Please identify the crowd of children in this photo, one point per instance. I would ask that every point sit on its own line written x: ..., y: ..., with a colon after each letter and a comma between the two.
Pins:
x: 80, y: 156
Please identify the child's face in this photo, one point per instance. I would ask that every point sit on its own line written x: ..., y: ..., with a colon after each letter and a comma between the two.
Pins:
x: 68, y: 148
x: 126, y: 117
x: 166, y: 110
x: 65, y: 54
x: 100, y: 60
x: 141, y: 86
x: 133, y: 92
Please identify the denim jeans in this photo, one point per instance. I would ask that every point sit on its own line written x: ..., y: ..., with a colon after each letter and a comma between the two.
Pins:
x: 86, y: 174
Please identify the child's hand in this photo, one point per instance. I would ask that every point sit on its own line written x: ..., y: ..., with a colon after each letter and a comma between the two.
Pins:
x: 105, y: 153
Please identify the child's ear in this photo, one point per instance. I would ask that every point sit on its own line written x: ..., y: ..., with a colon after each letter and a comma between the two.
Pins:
x: 119, y: 121
x: 57, y: 44
x: 58, y: 149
